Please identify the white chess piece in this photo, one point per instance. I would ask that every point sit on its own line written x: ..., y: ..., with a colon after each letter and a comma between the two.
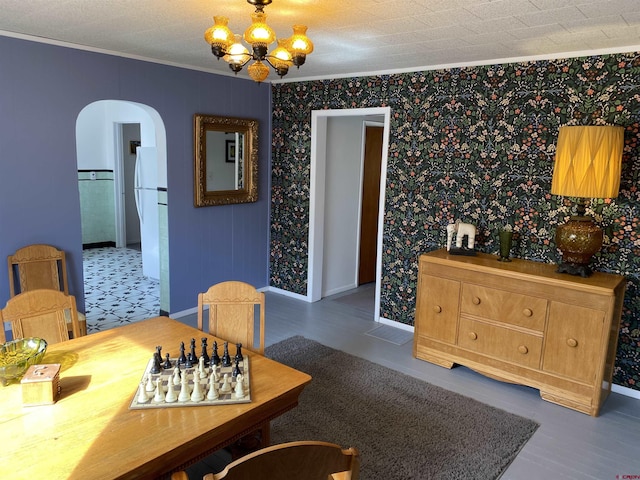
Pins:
x: 176, y: 376
x: 202, y: 370
x: 226, y: 385
x: 142, y: 394
x: 150, y: 386
x: 171, y: 394
x: 197, y: 395
x: 239, y: 391
x: 212, y: 394
x: 159, y: 393
x: 184, y: 389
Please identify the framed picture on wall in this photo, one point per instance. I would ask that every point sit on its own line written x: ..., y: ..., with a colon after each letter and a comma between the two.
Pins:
x: 231, y: 151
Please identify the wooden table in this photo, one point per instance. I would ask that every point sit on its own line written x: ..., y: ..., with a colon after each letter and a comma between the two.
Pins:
x: 91, y: 433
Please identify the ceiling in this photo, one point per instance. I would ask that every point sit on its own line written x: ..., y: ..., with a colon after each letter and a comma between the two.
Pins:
x: 350, y: 37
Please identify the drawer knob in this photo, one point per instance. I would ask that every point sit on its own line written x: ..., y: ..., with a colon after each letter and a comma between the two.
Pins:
x: 527, y: 312
x: 523, y: 349
x: 473, y: 335
x: 476, y: 300
x: 572, y: 342
x: 437, y: 309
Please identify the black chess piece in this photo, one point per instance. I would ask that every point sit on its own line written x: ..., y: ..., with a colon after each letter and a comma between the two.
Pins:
x: 215, y: 358
x: 238, y: 356
x: 192, y: 352
x: 159, y: 350
x: 156, y: 365
x: 204, y: 352
x: 182, y: 359
x: 236, y: 369
x: 226, y: 358
x: 167, y: 363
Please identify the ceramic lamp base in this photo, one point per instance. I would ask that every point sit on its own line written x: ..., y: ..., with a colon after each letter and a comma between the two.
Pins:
x: 578, y: 240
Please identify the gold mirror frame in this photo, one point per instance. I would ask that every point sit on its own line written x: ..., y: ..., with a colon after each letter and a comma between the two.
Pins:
x: 249, y: 191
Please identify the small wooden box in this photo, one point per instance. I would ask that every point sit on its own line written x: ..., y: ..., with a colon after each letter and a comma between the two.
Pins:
x: 41, y: 384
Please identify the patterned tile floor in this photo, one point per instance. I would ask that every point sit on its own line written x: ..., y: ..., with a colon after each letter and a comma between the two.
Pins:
x: 115, y: 291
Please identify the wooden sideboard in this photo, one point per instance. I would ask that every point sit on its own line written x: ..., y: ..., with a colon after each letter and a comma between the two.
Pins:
x: 521, y: 322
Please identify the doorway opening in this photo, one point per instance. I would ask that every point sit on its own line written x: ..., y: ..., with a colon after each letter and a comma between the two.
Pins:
x: 110, y: 135
x: 336, y: 207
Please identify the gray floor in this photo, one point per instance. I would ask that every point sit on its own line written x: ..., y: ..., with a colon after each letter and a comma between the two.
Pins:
x: 568, y: 444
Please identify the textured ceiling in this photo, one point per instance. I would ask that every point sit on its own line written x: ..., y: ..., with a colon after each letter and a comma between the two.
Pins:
x: 350, y: 37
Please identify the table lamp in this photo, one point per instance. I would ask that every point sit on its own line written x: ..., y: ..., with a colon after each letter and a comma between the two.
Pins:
x: 588, y: 164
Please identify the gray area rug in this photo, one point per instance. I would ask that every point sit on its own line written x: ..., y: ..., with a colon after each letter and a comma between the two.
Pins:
x: 403, y: 427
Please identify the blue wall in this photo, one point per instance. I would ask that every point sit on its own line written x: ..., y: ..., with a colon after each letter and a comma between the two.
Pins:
x: 43, y: 88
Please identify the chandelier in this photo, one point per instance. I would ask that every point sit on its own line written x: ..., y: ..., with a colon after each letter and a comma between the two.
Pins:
x: 229, y: 47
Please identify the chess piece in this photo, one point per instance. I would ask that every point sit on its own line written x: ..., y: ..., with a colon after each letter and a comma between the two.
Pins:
x: 159, y: 350
x: 142, y: 394
x: 167, y: 363
x: 215, y: 359
x: 184, y: 389
x: 192, y: 352
x: 171, y: 396
x: 202, y: 371
x: 182, y: 359
x: 189, y: 362
x: 204, y: 352
x: 176, y: 375
x: 159, y: 393
x: 236, y: 369
x: 226, y: 358
x: 156, y: 365
x: 212, y: 394
x: 226, y: 384
x: 239, y: 356
x: 197, y: 395
x: 239, y: 390
x: 150, y: 387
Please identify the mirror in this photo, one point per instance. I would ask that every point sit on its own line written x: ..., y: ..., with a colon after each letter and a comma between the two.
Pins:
x: 225, y: 160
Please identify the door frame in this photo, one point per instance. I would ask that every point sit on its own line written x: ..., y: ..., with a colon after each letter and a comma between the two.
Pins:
x: 319, y: 120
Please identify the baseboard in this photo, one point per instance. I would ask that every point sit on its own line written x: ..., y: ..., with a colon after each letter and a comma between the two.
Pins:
x: 279, y: 291
x: 393, y: 323
x: 87, y: 246
x: 626, y: 391
x: 184, y: 313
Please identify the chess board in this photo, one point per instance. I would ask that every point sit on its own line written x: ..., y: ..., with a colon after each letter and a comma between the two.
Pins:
x: 148, y: 388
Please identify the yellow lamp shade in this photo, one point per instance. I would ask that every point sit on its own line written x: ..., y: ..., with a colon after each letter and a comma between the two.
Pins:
x: 299, y: 43
x: 219, y: 34
x: 588, y: 161
x: 259, y: 33
x: 281, y: 57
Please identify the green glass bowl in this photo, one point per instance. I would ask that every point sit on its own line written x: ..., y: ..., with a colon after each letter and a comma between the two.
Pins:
x: 18, y: 355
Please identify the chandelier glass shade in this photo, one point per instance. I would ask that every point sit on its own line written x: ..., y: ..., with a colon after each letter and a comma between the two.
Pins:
x: 259, y: 36
x: 588, y: 165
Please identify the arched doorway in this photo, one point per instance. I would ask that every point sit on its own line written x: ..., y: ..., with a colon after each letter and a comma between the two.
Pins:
x: 104, y: 146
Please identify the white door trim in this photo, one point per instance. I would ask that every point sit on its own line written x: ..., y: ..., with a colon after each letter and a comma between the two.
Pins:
x: 317, y: 196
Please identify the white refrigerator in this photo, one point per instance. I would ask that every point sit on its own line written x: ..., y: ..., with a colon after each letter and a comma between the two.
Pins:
x: 146, y: 194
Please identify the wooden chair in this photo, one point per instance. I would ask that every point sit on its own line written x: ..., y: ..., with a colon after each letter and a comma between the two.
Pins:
x: 232, y: 313
x: 41, y: 313
x: 308, y: 460
x: 40, y: 266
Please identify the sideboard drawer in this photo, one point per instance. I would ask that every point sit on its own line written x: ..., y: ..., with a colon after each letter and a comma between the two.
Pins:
x: 503, y: 343
x: 507, y: 307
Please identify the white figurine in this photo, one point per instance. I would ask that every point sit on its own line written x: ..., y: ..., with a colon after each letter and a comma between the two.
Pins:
x: 461, y: 230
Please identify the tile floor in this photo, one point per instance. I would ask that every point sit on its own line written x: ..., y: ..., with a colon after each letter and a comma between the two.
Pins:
x: 115, y: 291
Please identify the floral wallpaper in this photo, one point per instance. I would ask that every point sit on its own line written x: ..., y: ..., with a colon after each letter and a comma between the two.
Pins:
x: 475, y: 143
